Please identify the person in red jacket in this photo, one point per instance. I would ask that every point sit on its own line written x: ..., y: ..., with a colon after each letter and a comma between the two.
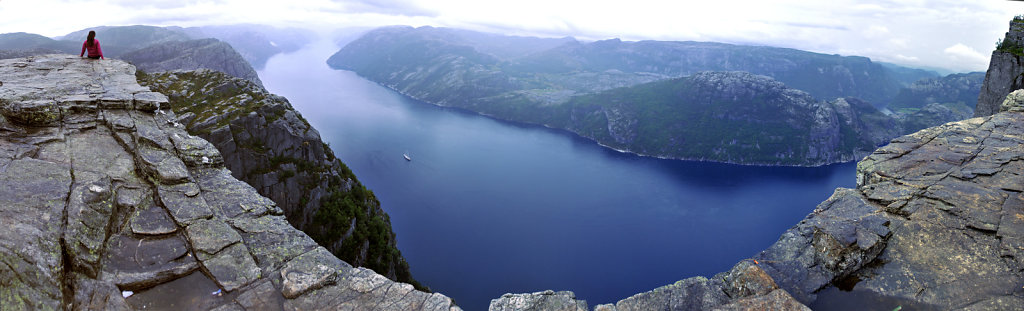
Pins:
x: 93, y: 45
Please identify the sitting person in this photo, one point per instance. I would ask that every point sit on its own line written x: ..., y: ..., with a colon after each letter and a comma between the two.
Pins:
x: 93, y: 46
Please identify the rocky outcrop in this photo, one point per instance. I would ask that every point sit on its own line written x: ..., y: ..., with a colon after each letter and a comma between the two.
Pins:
x: 1005, y: 70
x: 107, y: 203
x: 267, y: 144
x: 191, y: 55
x: 546, y: 300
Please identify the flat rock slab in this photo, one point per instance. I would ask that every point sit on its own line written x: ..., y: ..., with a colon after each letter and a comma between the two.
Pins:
x: 163, y: 164
x: 135, y: 264
x: 365, y: 290
x: 150, y: 101
x: 183, y: 207
x: 546, y: 300
x: 272, y: 240
x: 232, y: 267
x: 195, y: 151
x: 262, y: 297
x: 152, y: 220
x: 310, y: 271
x: 209, y: 236
x: 194, y: 291
x: 31, y: 204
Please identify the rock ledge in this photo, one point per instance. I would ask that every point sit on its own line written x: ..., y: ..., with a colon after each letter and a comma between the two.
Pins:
x: 107, y: 203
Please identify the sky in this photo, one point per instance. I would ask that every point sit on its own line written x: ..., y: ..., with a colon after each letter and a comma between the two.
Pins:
x: 958, y: 35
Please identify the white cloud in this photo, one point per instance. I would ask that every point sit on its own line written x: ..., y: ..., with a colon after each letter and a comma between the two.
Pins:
x: 889, y: 30
x: 876, y: 31
x: 966, y: 55
x: 907, y: 59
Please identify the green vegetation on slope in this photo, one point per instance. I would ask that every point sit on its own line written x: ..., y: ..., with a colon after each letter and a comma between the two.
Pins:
x: 719, y: 116
x: 565, y: 87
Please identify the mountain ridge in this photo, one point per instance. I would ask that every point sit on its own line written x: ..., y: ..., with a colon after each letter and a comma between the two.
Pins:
x: 437, y: 66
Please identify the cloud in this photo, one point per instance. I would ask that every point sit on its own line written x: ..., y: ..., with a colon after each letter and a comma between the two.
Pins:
x: 965, y: 54
x: 389, y: 7
x: 907, y: 59
x: 914, y: 32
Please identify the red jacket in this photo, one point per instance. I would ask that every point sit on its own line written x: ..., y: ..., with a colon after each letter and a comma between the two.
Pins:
x: 94, y: 50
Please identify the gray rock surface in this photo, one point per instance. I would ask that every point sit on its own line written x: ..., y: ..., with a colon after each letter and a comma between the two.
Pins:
x: 1005, y: 72
x: 546, y: 300
x: 1014, y: 102
x: 266, y: 143
x: 91, y: 218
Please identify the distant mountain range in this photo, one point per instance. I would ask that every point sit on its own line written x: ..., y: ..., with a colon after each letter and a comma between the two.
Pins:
x: 733, y: 117
x: 686, y: 100
x: 237, y: 50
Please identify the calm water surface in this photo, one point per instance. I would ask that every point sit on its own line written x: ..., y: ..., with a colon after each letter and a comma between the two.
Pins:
x: 488, y: 207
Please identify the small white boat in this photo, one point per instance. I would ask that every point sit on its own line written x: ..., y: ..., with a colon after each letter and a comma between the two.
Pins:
x: 406, y: 156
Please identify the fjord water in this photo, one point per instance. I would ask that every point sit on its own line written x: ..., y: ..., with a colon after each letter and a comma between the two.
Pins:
x: 487, y: 207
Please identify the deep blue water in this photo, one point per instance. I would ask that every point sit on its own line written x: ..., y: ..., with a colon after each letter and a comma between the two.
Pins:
x: 488, y: 207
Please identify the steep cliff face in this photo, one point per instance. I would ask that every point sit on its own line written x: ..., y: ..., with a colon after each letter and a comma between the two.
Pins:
x: 1005, y: 70
x: 107, y: 203
x: 191, y: 55
x: 268, y: 144
x: 732, y: 117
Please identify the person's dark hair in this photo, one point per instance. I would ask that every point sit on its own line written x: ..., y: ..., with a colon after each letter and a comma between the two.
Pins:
x: 92, y: 37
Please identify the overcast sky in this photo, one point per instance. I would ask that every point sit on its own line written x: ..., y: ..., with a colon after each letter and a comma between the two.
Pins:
x: 954, y: 34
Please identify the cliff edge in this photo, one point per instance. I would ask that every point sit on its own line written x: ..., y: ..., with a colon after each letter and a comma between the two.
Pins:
x: 269, y: 145
x: 107, y: 203
x: 1005, y: 70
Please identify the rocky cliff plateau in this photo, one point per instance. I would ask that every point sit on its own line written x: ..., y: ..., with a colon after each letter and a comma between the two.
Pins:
x: 107, y: 203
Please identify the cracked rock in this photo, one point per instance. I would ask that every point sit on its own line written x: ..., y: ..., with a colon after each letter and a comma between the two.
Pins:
x: 309, y: 271
x: 99, y: 211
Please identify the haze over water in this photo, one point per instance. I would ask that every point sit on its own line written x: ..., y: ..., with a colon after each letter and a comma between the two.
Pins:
x: 488, y: 207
